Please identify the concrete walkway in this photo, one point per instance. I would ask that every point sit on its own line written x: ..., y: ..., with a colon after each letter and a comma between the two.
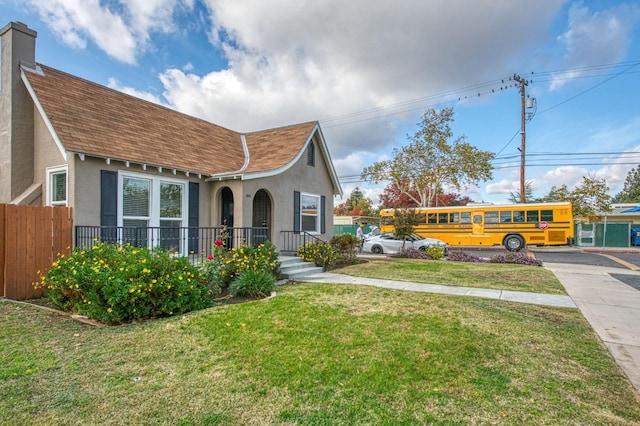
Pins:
x: 608, y: 304
x: 611, y: 307
x: 512, y: 296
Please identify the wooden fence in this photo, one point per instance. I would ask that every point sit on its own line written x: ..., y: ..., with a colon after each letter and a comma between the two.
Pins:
x: 31, y: 238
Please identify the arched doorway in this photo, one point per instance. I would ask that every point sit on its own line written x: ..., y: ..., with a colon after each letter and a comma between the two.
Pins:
x: 226, y: 216
x: 262, y: 211
x: 226, y: 211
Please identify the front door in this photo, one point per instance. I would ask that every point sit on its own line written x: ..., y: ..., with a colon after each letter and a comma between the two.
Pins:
x: 262, y: 213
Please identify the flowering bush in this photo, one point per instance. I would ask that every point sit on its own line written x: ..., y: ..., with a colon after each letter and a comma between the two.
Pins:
x: 211, y: 265
x: 519, y: 257
x: 320, y: 253
x: 118, y: 284
x: 413, y: 253
x: 463, y: 256
x: 222, y: 266
x: 429, y: 253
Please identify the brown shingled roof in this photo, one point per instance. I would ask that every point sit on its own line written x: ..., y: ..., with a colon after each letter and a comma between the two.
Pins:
x: 274, y: 148
x: 98, y: 121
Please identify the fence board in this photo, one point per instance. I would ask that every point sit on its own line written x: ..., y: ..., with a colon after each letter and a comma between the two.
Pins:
x: 33, y: 237
x: 3, y: 238
x: 12, y: 252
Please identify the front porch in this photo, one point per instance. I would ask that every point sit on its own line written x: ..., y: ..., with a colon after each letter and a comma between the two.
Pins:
x: 191, y: 241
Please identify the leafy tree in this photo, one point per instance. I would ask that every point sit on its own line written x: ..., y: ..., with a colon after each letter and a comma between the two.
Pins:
x: 631, y: 191
x: 404, y: 221
x: 356, y: 205
x: 429, y: 162
x: 453, y: 199
x: 514, y: 197
x: 393, y: 198
x: 589, y: 198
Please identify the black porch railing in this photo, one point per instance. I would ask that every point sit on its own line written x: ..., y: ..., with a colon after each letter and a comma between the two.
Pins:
x: 185, y: 241
x: 293, y: 241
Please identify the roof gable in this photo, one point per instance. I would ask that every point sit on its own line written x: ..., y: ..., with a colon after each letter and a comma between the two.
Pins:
x: 89, y: 119
x: 98, y: 121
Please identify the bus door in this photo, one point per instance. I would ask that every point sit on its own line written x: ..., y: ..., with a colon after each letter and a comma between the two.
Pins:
x: 477, y: 223
x: 478, y: 235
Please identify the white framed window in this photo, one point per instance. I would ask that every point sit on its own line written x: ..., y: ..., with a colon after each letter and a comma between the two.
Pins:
x: 153, y: 209
x: 57, y: 186
x: 310, y: 213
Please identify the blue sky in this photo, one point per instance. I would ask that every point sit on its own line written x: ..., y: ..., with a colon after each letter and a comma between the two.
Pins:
x: 368, y: 69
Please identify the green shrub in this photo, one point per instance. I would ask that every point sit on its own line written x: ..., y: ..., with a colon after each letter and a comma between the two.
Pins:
x: 264, y: 257
x: 321, y: 253
x: 118, y: 284
x: 435, y: 253
x: 253, y: 283
x: 346, y: 246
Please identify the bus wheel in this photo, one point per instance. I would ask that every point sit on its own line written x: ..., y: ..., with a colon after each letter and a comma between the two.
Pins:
x: 376, y: 250
x: 514, y: 242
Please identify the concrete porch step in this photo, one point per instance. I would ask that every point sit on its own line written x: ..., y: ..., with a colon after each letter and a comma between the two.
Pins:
x: 294, y: 268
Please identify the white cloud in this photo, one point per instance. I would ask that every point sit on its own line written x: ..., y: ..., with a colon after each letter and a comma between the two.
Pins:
x: 120, y: 28
x: 565, y: 175
x: 322, y: 60
x: 595, y: 37
x: 504, y: 186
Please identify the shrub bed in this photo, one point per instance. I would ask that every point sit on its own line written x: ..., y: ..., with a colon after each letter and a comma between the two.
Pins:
x: 119, y: 284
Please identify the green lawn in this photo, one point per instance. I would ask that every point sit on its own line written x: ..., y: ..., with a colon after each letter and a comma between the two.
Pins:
x: 499, y: 276
x: 316, y: 354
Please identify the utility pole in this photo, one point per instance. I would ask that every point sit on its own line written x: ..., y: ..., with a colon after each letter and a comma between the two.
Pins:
x: 523, y: 84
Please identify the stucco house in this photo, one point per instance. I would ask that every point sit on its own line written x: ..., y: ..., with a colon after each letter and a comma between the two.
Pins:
x: 122, y: 162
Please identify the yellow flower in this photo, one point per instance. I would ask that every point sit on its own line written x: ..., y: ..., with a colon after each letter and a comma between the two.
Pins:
x: 131, y: 290
x: 109, y: 310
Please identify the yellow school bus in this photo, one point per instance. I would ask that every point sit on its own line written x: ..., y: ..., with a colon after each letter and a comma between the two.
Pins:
x: 512, y: 225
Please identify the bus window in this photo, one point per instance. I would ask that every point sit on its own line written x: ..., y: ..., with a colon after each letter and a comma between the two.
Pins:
x: 454, y: 217
x: 387, y: 220
x: 465, y: 217
x: 491, y: 217
x: 432, y: 218
x: 421, y: 218
x: 443, y: 217
x: 546, y: 215
x: 505, y: 217
x: 532, y: 215
x: 518, y: 216
x: 477, y: 218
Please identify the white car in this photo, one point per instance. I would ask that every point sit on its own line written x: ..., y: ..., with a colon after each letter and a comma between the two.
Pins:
x: 389, y: 244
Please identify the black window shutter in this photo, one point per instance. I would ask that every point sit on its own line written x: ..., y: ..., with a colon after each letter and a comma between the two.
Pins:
x: 194, y: 215
x: 296, y: 211
x: 311, y: 155
x: 108, y: 204
x: 323, y: 227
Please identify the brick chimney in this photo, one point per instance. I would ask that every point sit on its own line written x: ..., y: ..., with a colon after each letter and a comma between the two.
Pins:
x: 16, y: 111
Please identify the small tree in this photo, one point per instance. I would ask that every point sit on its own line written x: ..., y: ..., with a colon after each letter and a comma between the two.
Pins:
x: 403, y: 222
x: 589, y: 198
x: 631, y: 191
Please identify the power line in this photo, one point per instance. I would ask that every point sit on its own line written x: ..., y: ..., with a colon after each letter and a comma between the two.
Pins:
x: 474, y: 91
